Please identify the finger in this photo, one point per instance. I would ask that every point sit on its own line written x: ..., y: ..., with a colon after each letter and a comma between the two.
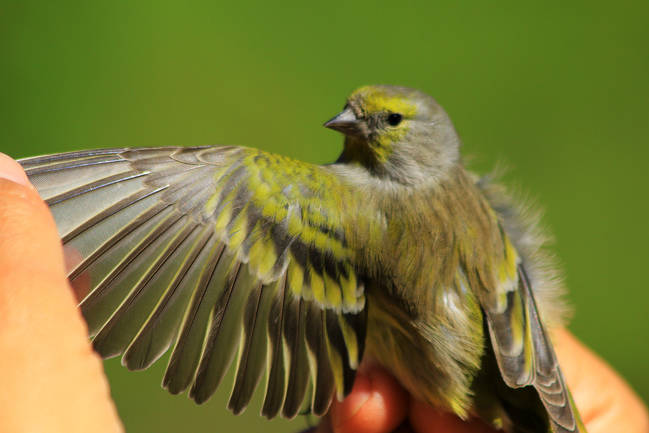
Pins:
x: 426, y: 419
x: 51, y: 379
x: 12, y: 171
x: 604, y: 399
x: 376, y: 404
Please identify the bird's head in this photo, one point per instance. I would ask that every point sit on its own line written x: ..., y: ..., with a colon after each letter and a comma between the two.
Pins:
x: 397, y: 133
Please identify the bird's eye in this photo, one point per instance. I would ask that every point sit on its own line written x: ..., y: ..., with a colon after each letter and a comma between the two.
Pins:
x: 394, y: 119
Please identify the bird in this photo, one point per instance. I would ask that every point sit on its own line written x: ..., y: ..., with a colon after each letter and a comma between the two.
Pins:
x: 293, y: 273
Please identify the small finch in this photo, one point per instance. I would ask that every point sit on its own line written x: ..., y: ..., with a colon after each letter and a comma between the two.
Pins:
x: 395, y: 252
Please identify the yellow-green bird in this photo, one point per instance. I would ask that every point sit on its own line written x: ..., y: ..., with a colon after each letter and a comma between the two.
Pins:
x: 394, y: 252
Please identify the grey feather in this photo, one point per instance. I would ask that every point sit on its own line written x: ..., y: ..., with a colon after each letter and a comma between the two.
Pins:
x: 297, y: 364
x: 277, y: 371
x: 252, y: 351
x: 162, y: 326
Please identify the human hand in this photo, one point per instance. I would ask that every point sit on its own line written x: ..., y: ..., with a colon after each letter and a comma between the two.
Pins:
x: 51, y: 379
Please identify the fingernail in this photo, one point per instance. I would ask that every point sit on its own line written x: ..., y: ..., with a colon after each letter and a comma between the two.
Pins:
x: 11, y: 170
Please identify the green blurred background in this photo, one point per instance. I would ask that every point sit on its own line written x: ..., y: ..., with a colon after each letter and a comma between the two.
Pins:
x: 558, y: 90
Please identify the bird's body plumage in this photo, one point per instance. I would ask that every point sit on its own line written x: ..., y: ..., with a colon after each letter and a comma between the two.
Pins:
x: 394, y: 252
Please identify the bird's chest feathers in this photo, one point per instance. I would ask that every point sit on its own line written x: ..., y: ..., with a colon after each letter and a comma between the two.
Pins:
x: 438, y: 255
x: 431, y: 238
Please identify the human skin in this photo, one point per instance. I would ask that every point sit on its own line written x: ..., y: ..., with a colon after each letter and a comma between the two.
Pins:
x: 53, y: 381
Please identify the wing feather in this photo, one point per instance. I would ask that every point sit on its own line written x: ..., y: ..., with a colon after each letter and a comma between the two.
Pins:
x: 161, y: 327
x: 125, y: 270
x: 297, y: 365
x: 224, y: 333
x: 187, y: 349
x: 220, y: 253
x: 523, y: 351
x: 252, y: 352
x: 321, y: 368
x: 117, y: 333
x: 276, y: 382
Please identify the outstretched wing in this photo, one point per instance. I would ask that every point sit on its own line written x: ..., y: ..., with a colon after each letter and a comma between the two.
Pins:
x: 219, y: 253
x: 522, y: 348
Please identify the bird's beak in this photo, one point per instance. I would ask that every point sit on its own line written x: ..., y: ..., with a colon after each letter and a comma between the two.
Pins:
x: 345, y: 122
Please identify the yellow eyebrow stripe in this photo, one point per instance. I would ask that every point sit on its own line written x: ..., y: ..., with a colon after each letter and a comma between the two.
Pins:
x: 376, y: 100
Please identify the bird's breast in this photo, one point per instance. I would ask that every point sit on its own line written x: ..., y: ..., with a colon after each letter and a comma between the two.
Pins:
x: 425, y: 323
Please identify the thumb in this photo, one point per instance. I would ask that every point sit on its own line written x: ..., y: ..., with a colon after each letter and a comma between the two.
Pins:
x: 51, y: 379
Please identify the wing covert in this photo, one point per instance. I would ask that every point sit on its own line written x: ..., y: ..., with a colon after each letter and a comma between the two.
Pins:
x: 221, y: 254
